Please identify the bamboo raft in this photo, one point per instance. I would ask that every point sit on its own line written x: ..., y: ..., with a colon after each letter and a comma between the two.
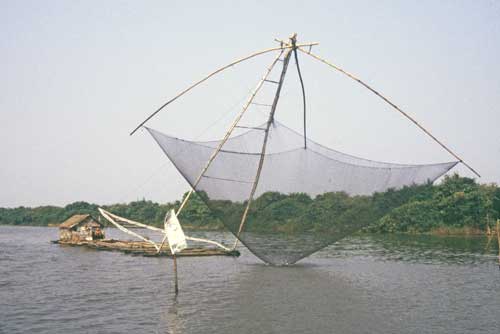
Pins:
x: 146, y: 249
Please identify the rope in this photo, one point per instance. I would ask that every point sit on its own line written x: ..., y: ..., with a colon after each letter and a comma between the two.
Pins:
x: 303, y: 89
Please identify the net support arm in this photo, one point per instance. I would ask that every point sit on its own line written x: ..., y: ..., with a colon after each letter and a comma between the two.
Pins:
x: 112, y: 218
x: 392, y: 105
x: 230, y: 130
x: 255, y: 54
x: 264, y: 144
x: 106, y: 215
x: 131, y: 222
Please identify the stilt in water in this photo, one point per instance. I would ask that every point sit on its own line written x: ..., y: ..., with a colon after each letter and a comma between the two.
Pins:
x: 498, y: 238
x: 176, y: 284
x: 488, y: 229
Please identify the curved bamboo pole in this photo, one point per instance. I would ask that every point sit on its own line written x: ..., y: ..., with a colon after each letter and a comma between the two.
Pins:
x: 391, y: 104
x: 123, y: 229
x: 211, y: 75
x: 131, y: 222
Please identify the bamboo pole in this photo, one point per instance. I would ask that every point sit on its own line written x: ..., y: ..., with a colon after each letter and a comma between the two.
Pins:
x: 230, y: 131
x: 264, y: 144
x: 211, y: 75
x: 149, y: 227
x: 132, y: 222
x: 391, y: 104
x: 498, y: 239
x: 110, y: 219
x: 174, y: 257
x: 176, y: 283
x: 209, y: 242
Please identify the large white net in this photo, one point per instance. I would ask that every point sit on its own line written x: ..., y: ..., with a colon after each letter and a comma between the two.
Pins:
x: 292, y: 174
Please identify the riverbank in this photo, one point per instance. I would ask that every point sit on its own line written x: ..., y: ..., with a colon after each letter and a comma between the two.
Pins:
x: 442, y: 231
x: 456, y: 206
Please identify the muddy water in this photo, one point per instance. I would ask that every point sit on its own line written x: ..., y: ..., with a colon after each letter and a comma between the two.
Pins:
x: 369, y: 284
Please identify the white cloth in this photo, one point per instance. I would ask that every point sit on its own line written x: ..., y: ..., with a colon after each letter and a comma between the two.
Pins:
x: 175, y: 235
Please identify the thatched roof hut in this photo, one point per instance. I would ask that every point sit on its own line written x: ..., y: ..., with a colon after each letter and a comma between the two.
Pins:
x: 79, y: 228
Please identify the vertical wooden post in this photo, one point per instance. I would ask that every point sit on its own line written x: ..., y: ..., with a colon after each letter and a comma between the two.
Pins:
x: 176, y: 284
x: 498, y: 238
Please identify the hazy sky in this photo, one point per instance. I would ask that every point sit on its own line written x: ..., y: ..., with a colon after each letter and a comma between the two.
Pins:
x: 77, y: 76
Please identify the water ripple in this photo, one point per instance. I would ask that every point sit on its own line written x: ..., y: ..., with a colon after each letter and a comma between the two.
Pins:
x: 363, y: 284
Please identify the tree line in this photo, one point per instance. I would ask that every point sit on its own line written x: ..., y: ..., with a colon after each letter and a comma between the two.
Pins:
x: 456, y: 205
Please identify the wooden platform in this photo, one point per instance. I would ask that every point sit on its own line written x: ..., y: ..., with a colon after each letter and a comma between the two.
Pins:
x: 146, y: 249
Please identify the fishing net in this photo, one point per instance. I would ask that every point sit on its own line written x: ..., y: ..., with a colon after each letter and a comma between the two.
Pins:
x: 307, y: 196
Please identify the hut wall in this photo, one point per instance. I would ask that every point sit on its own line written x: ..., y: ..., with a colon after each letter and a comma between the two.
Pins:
x: 85, y: 232
x: 76, y: 237
x: 65, y: 235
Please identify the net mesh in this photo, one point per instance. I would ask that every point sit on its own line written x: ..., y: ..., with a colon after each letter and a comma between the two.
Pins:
x: 305, y: 199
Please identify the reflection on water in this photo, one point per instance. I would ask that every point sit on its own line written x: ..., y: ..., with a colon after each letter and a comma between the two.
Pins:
x: 363, y: 284
x: 421, y: 249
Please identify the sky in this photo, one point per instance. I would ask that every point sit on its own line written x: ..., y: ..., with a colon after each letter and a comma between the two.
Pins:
x: 78, y: 76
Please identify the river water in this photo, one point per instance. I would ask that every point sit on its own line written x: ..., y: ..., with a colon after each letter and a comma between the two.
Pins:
x: 363, y: 284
